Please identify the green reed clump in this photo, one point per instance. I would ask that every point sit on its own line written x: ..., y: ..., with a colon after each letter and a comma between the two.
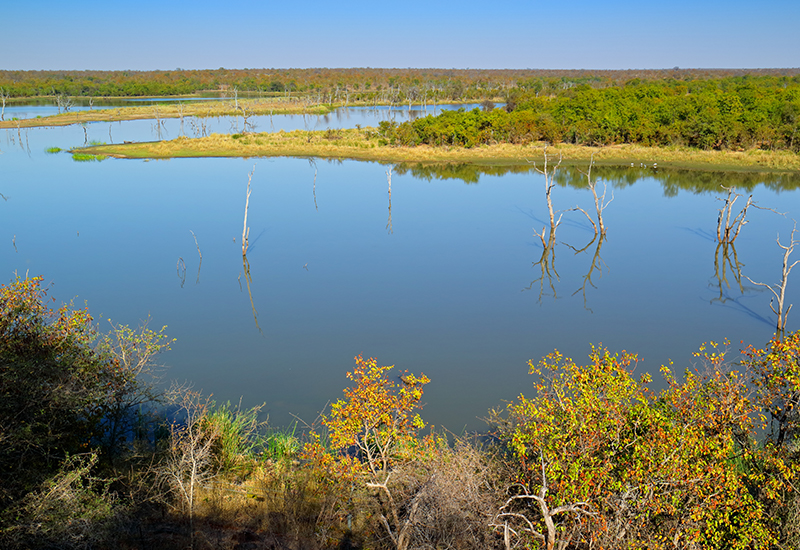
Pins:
x: 85, y: 157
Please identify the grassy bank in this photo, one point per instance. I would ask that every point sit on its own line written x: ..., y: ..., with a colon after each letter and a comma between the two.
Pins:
x: 367, y: 144
x: 205, y: 109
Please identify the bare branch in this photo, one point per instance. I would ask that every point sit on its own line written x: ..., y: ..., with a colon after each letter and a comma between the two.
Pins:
x: 779, y: 290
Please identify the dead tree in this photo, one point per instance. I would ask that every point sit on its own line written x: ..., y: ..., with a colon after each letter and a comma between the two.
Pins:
x: 549, y: 183
x: 3, y: 97
x: 159, y: 123
x: 779, y: 290
x: 189, y: 463
x: 599, y: 202
x: 727, y: 229
x: 247, y: 126
x: 246, y: 230
x: 63, y: 102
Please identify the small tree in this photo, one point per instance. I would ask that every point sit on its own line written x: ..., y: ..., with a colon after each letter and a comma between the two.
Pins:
x: 378, y: 423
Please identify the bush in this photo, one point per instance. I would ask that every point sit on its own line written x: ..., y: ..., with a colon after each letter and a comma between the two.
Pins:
x: 72, y: 510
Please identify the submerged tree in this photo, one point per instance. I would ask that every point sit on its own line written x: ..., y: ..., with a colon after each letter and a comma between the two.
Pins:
x: 727, y: 229
x: 779, y: 290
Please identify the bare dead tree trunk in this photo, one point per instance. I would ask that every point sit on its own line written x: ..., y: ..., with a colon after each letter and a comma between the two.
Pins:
x: 245, y: 229
x: 549, y: 183
x: 779, y: 290
x: 725, y: 227
x: 180, y: 115
x: 4, y: 95
x: 599, y: 202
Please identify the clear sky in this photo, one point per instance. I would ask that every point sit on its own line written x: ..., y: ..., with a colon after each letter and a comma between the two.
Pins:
x: 551, y: 34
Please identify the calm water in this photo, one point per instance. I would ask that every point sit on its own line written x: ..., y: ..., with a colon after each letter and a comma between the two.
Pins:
x: 449, y: 285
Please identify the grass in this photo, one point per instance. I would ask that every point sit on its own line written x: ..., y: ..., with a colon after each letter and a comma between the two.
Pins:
x: 53, y: 150
x: 87, y: 157
x: 365, y: 144
x: 271, y: 106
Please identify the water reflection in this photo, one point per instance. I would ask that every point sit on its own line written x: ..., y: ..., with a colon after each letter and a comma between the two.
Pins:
x: 199, y: 265
x: 249, y: 280
x: 726, y: 260
x: 389, y: 223
x: 595, y: 266
x: 181, y: 269
x: 547, y: 264
x: 672, y: 180
x: 313, y: 164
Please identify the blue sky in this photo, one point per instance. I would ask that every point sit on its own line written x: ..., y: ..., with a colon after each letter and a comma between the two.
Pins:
x: 581, y: 34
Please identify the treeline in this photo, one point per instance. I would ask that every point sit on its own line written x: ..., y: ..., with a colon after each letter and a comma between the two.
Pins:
x: 399, y: 85
x: 717, y: 113
x: 94, y: 456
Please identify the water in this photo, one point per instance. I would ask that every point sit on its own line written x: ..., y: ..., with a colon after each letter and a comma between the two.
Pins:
x: 450, y: 285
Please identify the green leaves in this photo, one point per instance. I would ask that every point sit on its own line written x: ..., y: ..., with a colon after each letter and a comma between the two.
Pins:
x: 683, y: 461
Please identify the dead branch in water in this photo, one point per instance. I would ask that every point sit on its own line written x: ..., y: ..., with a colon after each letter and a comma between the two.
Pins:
x: 779, y: 290
x: 245, y: 229
x: 549, y: 183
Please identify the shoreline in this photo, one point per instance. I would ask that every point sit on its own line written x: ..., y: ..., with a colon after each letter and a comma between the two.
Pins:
x: 366, y: 145
x: 250, y: 107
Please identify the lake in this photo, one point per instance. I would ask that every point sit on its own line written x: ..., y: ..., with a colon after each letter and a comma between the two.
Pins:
x: 443, y: 276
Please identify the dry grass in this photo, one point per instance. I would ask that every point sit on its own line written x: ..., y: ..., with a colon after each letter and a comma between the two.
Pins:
x: 364, y: 144
x: 273, y: 106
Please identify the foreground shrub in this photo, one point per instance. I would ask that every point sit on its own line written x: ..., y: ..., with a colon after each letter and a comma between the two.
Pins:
x: 608, y: 462
x: 72, y: 510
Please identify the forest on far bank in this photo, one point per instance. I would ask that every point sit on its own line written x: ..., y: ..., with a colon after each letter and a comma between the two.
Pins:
x: 364, y: 84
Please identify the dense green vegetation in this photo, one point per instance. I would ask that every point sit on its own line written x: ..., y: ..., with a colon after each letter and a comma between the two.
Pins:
x: 732, y: 113
x: 592, y: 457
